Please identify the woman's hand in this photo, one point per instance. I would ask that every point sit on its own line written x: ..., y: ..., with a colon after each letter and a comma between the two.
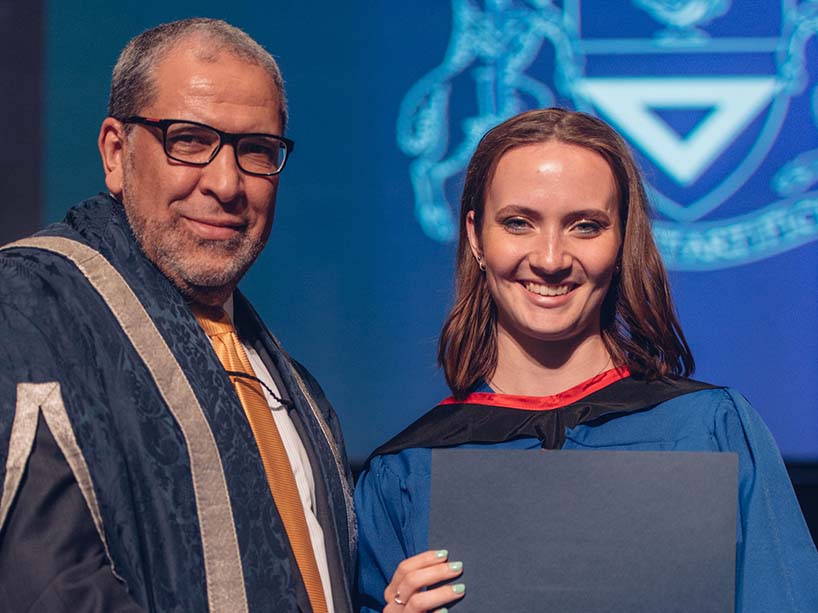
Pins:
x: 405, y: 594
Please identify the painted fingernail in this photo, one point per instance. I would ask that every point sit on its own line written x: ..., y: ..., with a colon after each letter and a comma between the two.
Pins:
x: 459, y: 588
x: 442, y: 554
x: 443, y: 610
x: 455, y: 565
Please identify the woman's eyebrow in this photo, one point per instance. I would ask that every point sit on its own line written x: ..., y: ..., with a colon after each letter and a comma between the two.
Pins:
x: 518, y: 209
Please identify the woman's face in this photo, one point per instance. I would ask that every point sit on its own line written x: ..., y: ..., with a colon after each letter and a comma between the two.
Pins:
x: 549, y: 240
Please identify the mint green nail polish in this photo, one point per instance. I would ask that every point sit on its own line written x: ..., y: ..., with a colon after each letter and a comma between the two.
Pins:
x: 459, y: 588
x: 442, y: 553
x: 455, y: 565
x: 443, y: 610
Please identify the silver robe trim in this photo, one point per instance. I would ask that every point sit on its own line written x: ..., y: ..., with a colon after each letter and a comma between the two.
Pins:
x: 223, y: 569
x: 32, y: 399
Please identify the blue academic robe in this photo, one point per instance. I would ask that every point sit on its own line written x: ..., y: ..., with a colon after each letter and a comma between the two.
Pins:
x: 776, y: 561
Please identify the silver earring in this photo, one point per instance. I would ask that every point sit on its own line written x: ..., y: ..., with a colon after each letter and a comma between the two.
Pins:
x: 481, y: 264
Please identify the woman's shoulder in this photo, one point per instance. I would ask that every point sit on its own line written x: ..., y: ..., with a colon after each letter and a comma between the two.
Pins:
x: 682, y: 393
x: 694, y: 420
x: 711, y: 401
x: 398, y: 463
x: 432, y: 429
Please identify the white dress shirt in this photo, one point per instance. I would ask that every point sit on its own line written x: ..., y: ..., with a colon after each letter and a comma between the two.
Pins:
x: 299, y: 461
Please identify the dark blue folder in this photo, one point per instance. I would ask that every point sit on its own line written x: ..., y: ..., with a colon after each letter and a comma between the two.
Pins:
x: 587, y: 531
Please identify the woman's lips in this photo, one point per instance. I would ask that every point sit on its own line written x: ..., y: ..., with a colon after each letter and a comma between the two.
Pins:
x: 548, y: 290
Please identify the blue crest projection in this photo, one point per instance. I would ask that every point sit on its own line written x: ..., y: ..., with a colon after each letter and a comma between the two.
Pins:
x: 714, y: 96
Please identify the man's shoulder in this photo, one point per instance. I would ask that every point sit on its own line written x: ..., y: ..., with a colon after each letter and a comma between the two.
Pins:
x: 36, y: 277
x: 87, y: 222
x: 27, y: 272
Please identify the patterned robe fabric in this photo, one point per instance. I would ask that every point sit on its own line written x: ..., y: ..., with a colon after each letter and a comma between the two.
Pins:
x: 102, y: 348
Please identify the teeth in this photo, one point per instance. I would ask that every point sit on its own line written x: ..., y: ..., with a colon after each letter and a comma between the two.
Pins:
x: 547, y: 290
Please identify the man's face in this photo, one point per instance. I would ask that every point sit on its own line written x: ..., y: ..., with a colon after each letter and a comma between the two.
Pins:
x: 203, y: 226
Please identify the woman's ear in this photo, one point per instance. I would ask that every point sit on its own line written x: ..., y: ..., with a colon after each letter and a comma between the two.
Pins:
x: 474, y: 239
x: 111, y: 144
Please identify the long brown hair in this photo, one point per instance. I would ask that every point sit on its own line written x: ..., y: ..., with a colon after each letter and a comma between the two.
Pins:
x: 639, y: 324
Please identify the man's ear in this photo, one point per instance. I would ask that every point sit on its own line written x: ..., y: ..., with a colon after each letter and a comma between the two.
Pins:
x: 112, y: 150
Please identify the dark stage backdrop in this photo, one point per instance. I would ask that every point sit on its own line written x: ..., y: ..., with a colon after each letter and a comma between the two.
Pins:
x: 21, y: 156
x: 717, y: 97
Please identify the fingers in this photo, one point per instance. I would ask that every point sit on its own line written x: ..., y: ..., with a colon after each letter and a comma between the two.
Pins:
x: 417, y: 562
x: 407, y: 592
x: 431, y: 600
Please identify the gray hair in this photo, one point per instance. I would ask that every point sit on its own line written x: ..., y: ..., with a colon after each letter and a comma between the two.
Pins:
x: 132, y: 83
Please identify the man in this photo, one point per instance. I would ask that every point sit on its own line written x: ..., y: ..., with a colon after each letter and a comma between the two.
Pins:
x: 152, y: 458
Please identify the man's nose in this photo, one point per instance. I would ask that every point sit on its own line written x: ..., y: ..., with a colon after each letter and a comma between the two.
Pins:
x: 222, y: 177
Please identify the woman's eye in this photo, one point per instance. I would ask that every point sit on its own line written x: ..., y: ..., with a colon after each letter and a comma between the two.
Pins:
x: 515, y: 224
x: 588, y: 227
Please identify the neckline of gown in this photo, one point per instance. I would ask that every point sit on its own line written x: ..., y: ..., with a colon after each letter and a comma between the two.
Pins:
x: 544, y: 403
x: 451, y: 424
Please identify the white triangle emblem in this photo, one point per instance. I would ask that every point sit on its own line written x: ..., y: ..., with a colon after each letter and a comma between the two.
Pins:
x: 629, y: 103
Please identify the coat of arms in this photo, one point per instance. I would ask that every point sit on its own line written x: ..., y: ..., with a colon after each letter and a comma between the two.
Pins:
x: 715, y: 96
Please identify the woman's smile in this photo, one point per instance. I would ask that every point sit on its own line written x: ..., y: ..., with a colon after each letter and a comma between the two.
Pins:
x: 547, y: 290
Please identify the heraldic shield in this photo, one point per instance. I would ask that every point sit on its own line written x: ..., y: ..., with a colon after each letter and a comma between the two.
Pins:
x: 717, y: 98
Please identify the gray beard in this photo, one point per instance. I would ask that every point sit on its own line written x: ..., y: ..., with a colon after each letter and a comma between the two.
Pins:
x: 198, y: 282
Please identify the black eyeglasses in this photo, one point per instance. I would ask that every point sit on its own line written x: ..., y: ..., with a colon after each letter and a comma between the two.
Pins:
x: 195, y: 143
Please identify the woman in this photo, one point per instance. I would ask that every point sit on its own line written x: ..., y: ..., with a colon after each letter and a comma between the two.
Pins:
x: 562, y: 299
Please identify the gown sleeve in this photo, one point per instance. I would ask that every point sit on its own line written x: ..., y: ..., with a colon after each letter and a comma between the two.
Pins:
x: 387, y: 527
x: 776, y: 560
x: 51, y: 555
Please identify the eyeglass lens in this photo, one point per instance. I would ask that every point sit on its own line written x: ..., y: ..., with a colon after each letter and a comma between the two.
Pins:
x: 196, y: 144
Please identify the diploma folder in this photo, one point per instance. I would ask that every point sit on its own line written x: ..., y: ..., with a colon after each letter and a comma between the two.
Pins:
x: 587, y: 531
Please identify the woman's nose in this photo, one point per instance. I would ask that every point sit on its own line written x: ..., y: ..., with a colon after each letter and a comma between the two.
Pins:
x: 550, y: 254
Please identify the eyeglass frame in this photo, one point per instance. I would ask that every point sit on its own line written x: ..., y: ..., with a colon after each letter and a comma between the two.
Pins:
x: 230, y: 138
